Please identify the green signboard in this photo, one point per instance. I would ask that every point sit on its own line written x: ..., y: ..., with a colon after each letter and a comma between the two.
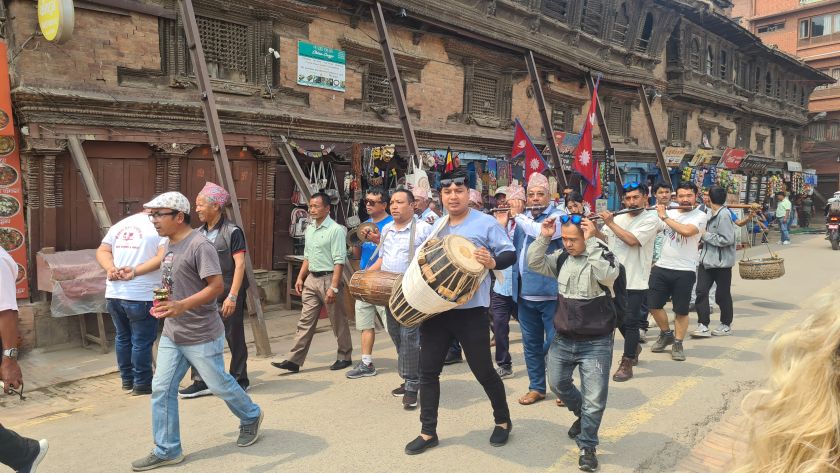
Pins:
x: 319, y: 66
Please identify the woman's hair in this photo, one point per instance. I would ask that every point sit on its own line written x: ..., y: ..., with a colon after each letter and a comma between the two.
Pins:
x: 574, y: 196
x: 795, y: 421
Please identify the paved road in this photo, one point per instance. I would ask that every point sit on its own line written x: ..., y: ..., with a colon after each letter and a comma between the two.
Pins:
x: 319, y: 421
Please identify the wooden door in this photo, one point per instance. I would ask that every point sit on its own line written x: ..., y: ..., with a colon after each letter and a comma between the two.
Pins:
x: 284, y: 185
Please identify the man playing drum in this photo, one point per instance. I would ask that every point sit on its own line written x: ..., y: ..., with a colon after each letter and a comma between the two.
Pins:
x: 466, y: 323
x: 398, y: 244
x: 376, y: 204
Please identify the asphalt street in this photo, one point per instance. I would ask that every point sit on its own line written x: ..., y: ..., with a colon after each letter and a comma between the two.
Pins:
x: 319, y: 421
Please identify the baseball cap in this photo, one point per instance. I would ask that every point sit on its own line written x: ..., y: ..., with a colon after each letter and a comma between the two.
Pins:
x: 170, y: 200
x: 502, y: 190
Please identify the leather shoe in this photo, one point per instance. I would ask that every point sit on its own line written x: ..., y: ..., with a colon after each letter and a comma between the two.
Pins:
x: 500, y: 435
x: 420, y: 445
x: 340, y: 364
x: 286, y: 365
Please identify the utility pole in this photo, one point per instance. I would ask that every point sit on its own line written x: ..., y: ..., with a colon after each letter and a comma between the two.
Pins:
x: 536, y: 84
x: 220, y: 158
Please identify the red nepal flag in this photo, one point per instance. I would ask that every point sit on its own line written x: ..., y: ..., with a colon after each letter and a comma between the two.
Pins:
x: 520, y: 140
x: 584, y: 163
x: 522, y: 144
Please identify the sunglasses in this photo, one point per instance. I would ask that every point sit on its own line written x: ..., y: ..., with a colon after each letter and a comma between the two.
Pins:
x: 373, y: 202
x: 458, y: 181
x: 631, y: 186
x: 574, y: 218
x: 13, y: 391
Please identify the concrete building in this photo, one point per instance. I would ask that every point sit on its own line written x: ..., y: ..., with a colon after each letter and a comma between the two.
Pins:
x: 810, y: 30
x: 124, y: 83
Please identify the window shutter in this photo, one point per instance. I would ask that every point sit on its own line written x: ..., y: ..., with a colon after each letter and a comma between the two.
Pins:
x: 557, y: 9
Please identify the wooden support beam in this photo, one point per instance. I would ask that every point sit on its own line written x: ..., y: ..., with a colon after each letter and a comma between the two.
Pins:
x: 605, y: 134
x: 660, y: 158
x: 536, y: 84
x: 97, y: 205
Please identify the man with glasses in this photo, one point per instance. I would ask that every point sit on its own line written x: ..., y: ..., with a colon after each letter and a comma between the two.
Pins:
x: 193, y: 333
x: 631, y: 236
x: 319, y: 284
x: 535, y: 294
x: 376, y: 204
x: 466, y: 323
x: 130, y: 254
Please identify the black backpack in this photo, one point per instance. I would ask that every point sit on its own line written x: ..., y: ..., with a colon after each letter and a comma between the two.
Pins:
x: 619, y: 289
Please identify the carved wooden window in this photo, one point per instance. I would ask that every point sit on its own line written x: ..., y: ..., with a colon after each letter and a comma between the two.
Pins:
x: 789, y: 137
x: 487, y: 96
x: 757, y: 83
x: 694, y: 55
x: 620, y: 25
x: 677, y: 124
x: 558, y: 9
x: 710, y: 61
x: 759, y: 143
x: 562, y: 118
x: 743, y: 132
x: 225, y: 47
x: 778, y: 88
x: 377, y: 88
x: 773, y: 142
x: 647, y: 31
x: 723, y: 137
x: 768, y: 84
x: 724, y: 64
x: 618, y: 118
x: 592, y: 17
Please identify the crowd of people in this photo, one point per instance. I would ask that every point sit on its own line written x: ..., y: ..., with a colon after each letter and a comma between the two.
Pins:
x: 568, y: 276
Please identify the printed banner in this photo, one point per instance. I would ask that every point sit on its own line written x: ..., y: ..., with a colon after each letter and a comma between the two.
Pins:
x: 12, y: 226
x: 322, y: 67
x: 732, y: 158
x: 674, y: 155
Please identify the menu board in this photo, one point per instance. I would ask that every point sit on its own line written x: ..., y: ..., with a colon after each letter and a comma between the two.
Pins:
x: 12, y: 227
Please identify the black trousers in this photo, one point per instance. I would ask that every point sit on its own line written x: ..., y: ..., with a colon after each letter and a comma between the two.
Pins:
x: 723, y: 294
x: 501, y: 308
x: 470, y: 328
x: 633, y: 321
x: 16, y: 452
x: 235, y: 336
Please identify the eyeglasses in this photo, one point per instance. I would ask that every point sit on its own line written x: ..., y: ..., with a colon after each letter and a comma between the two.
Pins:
x: 13, y: 391
x: 157, y: 215
x: 458, y: 181
x: 373, y: 202
x: 631, y: 186
x: 574, y: 218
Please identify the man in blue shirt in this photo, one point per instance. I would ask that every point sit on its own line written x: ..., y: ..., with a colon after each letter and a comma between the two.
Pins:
x: 376, y: 204
x: 466, y: 323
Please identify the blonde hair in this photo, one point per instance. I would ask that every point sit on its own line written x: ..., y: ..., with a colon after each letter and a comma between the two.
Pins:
x: 795, y: 421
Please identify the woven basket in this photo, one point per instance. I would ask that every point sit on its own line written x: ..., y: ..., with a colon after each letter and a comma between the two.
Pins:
x: 762, y: 268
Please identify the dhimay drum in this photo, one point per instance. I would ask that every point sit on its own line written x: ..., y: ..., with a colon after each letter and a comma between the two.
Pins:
x: 374, y: 287
x: 444, y: 276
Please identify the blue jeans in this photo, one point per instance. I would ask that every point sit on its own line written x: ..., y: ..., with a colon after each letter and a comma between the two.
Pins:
x: 136, y: 333
x: 593, y: 359
x: 173, y: 361
x: 784, y: 227
x: 536, y: 321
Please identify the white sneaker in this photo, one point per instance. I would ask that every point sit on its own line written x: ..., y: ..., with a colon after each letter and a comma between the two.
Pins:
x: 701, y: 332
x: 722, y: 330
x: 786, y: 242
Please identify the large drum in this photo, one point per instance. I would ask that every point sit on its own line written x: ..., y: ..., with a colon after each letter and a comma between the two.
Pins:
x: 374, y: 287
x: 446, y: 267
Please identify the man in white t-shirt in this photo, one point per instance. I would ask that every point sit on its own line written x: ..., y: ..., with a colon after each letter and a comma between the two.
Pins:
x: 631, y: 237
x: 674, y: 273
x: 131, y: 253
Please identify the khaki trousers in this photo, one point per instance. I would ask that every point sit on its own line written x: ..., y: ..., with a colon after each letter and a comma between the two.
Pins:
x: 313, y: 298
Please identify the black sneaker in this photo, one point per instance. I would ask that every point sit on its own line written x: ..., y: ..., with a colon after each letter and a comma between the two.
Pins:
x: 286, y: 365
x: 146, y: 390
x: 127, y: 385
x: 409, y: 400
x: 453, y: 357
x: 399, y: 392
x: 500, y: 435
x: 420, y: 445
x: 196, y: 389
x: 31, y: 467
x: 340, y: 364
x: 587, y: 460
x: 574, y: 430
x: 663, y: 341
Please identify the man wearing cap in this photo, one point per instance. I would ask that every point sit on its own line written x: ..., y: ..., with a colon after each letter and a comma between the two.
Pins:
x: 534, y: 293
x: 229, y: 241
x: 502, y: 304
x: 422, y: 211
x: 193, y: 333
x: 319, y: 285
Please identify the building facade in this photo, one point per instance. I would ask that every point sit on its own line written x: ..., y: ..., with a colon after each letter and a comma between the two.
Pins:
x: 810, y: 30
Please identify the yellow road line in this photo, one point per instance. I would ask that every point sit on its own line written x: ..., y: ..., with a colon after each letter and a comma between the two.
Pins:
x: 633, y: 420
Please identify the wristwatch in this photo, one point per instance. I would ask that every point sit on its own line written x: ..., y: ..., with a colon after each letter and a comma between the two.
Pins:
x: 334, y: 289
x: 11, y: 353
x: 232, y: 297
x: 664, y: 218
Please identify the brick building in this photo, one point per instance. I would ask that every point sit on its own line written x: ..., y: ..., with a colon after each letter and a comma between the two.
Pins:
x: 124, y: 84
x: 810, y: 30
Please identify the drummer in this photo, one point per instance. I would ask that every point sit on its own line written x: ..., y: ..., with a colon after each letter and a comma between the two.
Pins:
x: 376, y: 204
x: 398, y: 244
x: 467, y: 323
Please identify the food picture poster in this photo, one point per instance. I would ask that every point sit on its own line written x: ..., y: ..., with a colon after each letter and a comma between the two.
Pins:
x: 12, y: 226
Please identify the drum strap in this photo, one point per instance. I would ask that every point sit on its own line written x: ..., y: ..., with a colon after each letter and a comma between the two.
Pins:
x: 374, y: 256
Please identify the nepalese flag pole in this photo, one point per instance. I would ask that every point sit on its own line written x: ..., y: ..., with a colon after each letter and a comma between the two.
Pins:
x: 584, y: 163
x: 522, y: 143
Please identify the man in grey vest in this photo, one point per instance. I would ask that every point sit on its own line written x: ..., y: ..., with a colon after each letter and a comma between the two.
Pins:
x: 229, y: 241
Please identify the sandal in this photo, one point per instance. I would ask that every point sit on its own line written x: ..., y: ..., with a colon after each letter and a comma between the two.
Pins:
x: 560, y: 403
x: 531, y: 398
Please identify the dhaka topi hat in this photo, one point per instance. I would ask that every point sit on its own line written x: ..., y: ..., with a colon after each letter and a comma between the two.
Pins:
x: 215, y: 194
x: 538, y: 180
x: 516, y: 192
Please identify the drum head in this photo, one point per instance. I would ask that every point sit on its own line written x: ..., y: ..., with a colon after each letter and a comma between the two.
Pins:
x: 460, y: 250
